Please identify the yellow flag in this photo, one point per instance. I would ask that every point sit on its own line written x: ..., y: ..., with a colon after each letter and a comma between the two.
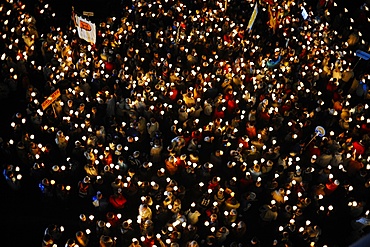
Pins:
x: 253, y: 17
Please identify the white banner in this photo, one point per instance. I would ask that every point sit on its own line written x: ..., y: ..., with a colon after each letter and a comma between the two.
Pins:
x: 86, y: 29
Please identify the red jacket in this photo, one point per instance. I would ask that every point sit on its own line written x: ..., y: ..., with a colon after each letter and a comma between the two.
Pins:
x: 117, y: 201
x: 330, y: 187
x: 251, y: 131
x: 218, y: 114
x: 360, y: 149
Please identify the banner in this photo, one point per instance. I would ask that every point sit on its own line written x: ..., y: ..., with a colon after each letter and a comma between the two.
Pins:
x: 362, y: 54
x: 253, y: 17
x: 50, y: 99
x: 304, y: 13
x: 86, y: 29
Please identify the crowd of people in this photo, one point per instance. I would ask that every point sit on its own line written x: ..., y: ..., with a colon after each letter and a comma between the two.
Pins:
x: 181, y: 127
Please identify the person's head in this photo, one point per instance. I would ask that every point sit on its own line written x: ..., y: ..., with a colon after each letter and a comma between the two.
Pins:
x: 48, y: 239
x: 70, y: 242
x: 256, y: 168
